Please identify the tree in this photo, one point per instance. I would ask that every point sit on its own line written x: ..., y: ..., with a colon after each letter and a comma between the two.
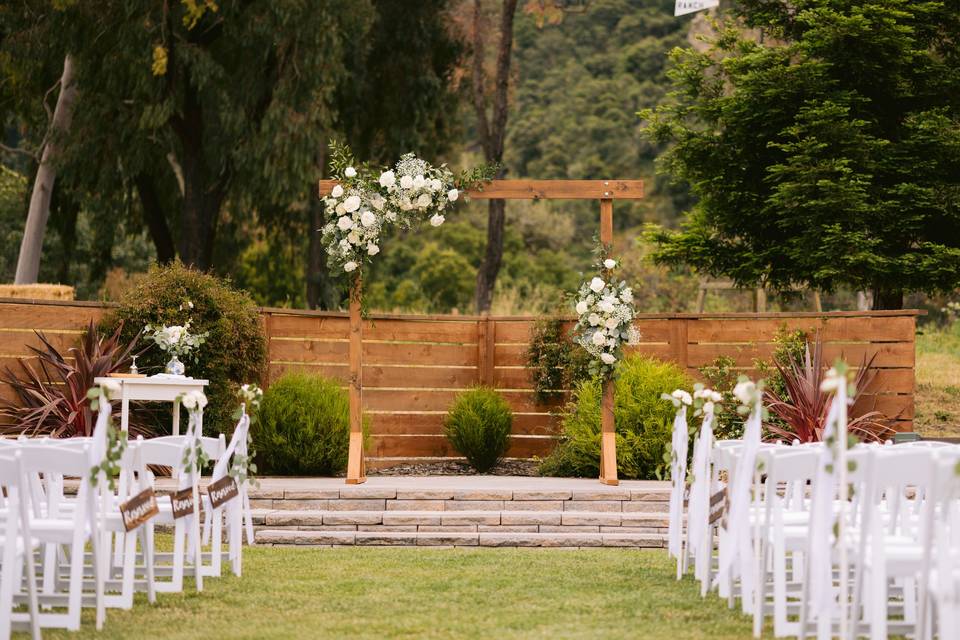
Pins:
x: 491, y: 132
x: 825, y: 155
x: 31, y: 247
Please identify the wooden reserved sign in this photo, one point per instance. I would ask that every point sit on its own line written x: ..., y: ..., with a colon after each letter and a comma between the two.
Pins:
x: 718, y: 507
x: 182, y: 502
x: 139, y: 509
x: 222, y: 491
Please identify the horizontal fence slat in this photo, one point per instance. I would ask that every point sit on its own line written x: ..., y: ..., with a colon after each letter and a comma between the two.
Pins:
x: 848, y: 329
x: 18, y: 343
x: 420, y: 446
x: 432, y: 424
x: 384, y: 376
x: 375, y: 399
x: 49, y: 317
x: 893, y: 354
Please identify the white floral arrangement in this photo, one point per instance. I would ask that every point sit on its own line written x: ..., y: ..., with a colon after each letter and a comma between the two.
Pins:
x: 195, y: 458
x: 116, y: 445
x: 242, y: 467
x: 365, y: 202
x: 176, y: 340
x: 606, y: 312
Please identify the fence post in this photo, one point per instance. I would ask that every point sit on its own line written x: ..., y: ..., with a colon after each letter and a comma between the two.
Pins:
x: 356, y: 465
x: 679, y: 341
x: 486, y: 346
x: 608, y: 434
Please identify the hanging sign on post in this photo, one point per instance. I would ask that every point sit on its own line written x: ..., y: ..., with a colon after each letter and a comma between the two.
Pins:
x: 683, y: 7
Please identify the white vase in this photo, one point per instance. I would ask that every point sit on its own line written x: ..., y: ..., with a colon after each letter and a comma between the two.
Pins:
x: 175, y: 367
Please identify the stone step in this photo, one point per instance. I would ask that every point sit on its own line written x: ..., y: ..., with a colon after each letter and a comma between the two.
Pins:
x: 459, y: 539
x: 311, y: 518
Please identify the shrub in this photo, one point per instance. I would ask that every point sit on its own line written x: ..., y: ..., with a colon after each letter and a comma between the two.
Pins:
x: 555, y: 363
x: 303, y: 427
x: 478, y: 426
x: 643, y: 422
x: 235, y: 351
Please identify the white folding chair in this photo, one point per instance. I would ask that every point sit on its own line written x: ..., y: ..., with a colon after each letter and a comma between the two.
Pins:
x: 16, y: 548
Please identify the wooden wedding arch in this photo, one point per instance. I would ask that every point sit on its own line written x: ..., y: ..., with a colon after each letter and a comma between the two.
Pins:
x: 605, y: 191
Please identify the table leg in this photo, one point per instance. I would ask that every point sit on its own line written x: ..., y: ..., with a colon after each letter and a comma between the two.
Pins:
x: 124, y: 413
x: 176, y: 417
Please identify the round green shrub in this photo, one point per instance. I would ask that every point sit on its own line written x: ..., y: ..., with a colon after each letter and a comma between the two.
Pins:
x: 478, y: 426
x: 303, y: 427
x: 235, y: 351
x: 644, y: 422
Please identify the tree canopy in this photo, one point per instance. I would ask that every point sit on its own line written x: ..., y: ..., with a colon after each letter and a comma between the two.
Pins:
x: 822, y: 145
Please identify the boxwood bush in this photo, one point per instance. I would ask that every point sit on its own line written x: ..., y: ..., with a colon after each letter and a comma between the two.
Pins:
x: 235, y: 351
x: 478, y: 426
x: 303, y: 427
x: 643, y: 422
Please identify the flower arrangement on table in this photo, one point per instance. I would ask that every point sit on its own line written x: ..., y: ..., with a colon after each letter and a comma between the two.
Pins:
x: 367, y: 201
x: 606, y: 312
x: 177, y: 341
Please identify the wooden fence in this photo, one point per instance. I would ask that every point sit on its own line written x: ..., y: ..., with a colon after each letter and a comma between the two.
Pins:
x: 414, y: 366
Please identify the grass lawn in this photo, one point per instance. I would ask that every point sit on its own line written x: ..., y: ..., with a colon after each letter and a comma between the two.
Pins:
x: 938, y: 383
x: 439, y: 593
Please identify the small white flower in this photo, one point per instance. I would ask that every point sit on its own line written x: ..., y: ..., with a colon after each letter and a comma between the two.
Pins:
x: 715, y: 397
x: 350, y: 172
x: 193, y: 400
x: 607, y: 358
x: 419, y: 182
x: 189, y: 304
x: 582, y: 307
x: 831, y: 381
x: 436, y: 185
x: 597, y: 285
x: 353, y: 237
x: 351, y: 204
x: 606, y: 306
x: 377, y: 202
x: 391, y: 215
x: 682, y: 396
x: 626, y: 295
x: 368, y: 218
x: 609, y: 263
x: 110, y: 388
x: 599, y: 338
x: 437, y: 220
x: 424, y: 200
x: 452, y: 195
x: 340, y: 210
x: 594, y: 319
x: 745, y: 391
x: 344, y: 223
x: 387, y: 179
x: 611, y: 323
x: 708, y: 407
x: 349, y: 266
x: 372, y: 249
x: 406, y: 182
x: 337, y: 191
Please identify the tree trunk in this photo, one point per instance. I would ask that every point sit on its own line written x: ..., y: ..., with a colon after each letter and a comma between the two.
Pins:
x: 156, y: 221
x: 887, y: 298
x: 31, y: 247
x: 492, y: 135
x: 493, y: 255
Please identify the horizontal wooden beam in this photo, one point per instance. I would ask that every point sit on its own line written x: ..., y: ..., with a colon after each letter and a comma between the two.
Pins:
x: 547, y: 189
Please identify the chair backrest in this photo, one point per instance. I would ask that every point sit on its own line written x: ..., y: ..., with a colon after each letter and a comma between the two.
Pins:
x: 212, y: 446
x: 900, y: 478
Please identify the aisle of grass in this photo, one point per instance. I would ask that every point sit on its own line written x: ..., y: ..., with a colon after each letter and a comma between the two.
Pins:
x: 441, y: 593
x: 938, y: 382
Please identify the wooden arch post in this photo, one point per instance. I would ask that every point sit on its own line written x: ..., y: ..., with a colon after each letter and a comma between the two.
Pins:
x: 606, y: 191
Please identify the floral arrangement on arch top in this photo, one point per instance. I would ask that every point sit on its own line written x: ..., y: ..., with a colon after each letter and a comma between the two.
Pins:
x: 366, y: 201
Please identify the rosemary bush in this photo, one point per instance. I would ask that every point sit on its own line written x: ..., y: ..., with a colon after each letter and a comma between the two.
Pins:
x: 478, y: 426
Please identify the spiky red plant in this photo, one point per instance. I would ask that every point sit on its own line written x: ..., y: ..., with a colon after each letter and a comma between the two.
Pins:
x: 803, y: 412
x: 51, y: 398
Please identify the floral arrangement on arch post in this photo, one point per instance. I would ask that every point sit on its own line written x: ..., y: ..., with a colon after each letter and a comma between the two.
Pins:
x: 605, y: 313
x: 366, y: 201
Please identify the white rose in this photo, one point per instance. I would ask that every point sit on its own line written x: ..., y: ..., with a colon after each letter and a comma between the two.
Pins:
x: 368, y: 218
x: 597, y: 285
x: 437, y: 220
x: 351, y: 204
x: 188, y: 401
x: 406, y: 182
x: 349, y: 266
x: 387, y: 179
x: 435, y: 185
x: 373, y: 249
x: 594, y: 319
x: 353, y: 237
x: 598, y: 338
x: 626, y: 295
x: 611, y: 323
x: 452, y: 195
x: 110, y: 388
x: 582, y: 307
x: 344, y: 223
x: 337, y: 191
x: 609, y: 263
x: 377, y: 201
x: 607, y: 358
x: 174, y: 334
x: 350, y: 172
x: 708, y: 407
x: 682, y: 396
x: 606, y: 306
x: 340, y: 210
x: 744, y: 391
x: 418, y: 182
x: 344, y: 243
x: 424, y: 200
x: 715, y: 397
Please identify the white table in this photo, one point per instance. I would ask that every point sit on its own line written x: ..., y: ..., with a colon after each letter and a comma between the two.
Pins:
x: 156, y: 389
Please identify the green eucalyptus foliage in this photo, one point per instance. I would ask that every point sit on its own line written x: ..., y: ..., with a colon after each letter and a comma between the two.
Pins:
x: 304, y: 427
x: 827, y: 154
x: 478, y: 426
x: 643, y: 422
x: 235, y: 350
